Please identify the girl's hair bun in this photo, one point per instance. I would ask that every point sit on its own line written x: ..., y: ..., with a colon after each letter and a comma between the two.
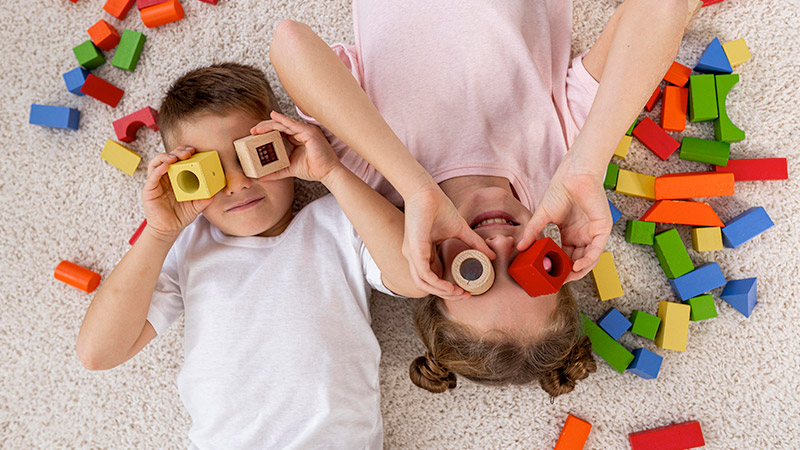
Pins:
x: 428, y: 374
x: 577, y: 365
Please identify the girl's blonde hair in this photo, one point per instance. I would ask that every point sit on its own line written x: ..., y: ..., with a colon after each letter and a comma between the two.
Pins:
x: 557, y: 357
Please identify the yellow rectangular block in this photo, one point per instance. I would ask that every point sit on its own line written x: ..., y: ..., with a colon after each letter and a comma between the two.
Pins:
x: 198, y: 177
x: 673, y: 332
x: 737, y: 51
x: 606, y: 279
x: 636, y: 184
x: 706, y: 239
x: 120, y: 156
x: 623, y: 147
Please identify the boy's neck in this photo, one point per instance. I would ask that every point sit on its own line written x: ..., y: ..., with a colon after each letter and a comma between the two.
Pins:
x: 279, y: 226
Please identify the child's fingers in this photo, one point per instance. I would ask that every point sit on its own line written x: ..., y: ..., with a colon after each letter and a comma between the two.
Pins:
x: 426, y: 283
x: 538, y: 221
x: 591, y: 254
x: 279, y: 175
x: 183, y: 152
x: 475, y: 241
x: 269, y: 125
x: 162, y: 158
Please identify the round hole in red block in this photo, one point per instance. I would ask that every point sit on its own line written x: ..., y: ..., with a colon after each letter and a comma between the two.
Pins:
x: 558, y: 264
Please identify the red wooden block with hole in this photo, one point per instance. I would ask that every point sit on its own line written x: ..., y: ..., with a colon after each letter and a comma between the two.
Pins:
x: 102, y: 90
x: 653, y: 99
x: 655, y: 138
x: 574, y: 434
x: 146, y: 3
x: 683, y: 213
x: 127, y: 126
x: 528, y: 268
x: 138, y: 233
x: 756, y: 169
x: 693, y: 185
x: 104, y: 35
x: 673, y: 109
x: 671, y: 437
x: 118, y: 8
x: 678, y: 74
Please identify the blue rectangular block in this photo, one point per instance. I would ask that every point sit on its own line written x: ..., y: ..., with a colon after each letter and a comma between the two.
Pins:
x: 74, y: 80
x: 614, y: 323
x: 745, y: 226
x: 55, y: 116
x: 699, y: 281
x: 615, y: 213
x: 645, y: 363
x: 741, y: 294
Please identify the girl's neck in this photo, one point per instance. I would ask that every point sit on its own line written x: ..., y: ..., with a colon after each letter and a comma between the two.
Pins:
x: 459, y: 187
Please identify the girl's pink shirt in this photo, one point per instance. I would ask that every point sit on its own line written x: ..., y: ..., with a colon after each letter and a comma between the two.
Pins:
x: 471, y: 87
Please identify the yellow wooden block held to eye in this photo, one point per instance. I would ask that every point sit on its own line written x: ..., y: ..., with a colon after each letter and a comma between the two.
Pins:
x: 737, y: 52
x: 198, y: 177
x: 706, y: 239
x: 606, y: 279
x: 623, y: 147
x: 120, y: 156
x: 636, y: 184
x: 673, y: 332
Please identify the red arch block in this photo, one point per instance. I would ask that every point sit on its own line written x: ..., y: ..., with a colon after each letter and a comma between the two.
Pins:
x: 127, y: 126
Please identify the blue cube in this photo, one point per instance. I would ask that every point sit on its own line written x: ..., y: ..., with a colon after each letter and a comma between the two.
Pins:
x: 741, y: 294
x: 745, y: 226
x: 699, y: 281
x: 55, y: 116
x: 74, y: 80
x: 614, y: 323
x: 645, y: 363
x: 615, y: 213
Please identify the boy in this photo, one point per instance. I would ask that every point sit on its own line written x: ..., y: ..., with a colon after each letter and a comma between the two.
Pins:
x: 278, y: 348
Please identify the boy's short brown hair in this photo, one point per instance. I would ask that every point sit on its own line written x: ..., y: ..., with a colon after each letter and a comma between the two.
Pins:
x: 216, y: 89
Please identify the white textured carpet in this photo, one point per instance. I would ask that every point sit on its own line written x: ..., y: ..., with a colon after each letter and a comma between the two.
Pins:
x: 59, y: 200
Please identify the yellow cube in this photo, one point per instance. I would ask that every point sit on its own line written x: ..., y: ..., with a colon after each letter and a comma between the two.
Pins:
x: 120, y: 156
x: 636, y: 184
x: 198, y: 177
x: 673, y: 332
x: 706, y: 239
x: 606, y: 279
x: 623, y: 147
x: 737, y: 51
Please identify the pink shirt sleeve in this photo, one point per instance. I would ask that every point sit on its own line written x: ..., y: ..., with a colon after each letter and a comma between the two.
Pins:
x: 581, y: 90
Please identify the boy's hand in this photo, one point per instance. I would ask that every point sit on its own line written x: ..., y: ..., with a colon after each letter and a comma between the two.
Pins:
x: 312, y: 159
x: 166, y: 216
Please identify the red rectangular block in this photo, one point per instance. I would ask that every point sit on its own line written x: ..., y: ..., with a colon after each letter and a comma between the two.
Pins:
x: 693, y: 185
x: 680, y: 436
x: 710, y: 2
x: 678, y: 74
x: 673, y: 111
x: 653, y: 99
x: 140, y: 4
x: 102, y: 90
x: 655, y: 138
x: 756, y: 169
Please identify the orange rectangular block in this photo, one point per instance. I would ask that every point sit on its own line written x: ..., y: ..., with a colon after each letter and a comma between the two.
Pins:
x: 104, y: 35
x: 118, y: 8
x: 678, y: 74
x: 694, y: 185
x: 673, y: 109
x: 683, y: 213
x: 162, y: 13
x: 574, y: 434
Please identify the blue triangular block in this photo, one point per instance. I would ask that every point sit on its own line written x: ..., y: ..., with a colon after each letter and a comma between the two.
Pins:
x: 741, y: 294
x: 714, y: 60
x: 615, y: 213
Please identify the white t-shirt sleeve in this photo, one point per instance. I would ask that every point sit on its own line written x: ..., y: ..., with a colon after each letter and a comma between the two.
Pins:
x: 371, y: 270
x: 166, y: 305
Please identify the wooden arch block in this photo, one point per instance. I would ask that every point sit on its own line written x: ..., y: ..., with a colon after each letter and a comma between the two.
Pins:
x: 127, y: 126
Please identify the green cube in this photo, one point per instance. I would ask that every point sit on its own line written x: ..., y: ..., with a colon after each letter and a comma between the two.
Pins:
x: 611, y: 176
x: 606, y: 347
x: 638, y: 232
x: 672, y: 254
x: 724, y: 129
x: 633, y: 125
x: 702, y: 98
x: 703, y: 307
x: 129, y: 49
x: 645, y: 325
x: 89, y: 56
x: 705, y: 151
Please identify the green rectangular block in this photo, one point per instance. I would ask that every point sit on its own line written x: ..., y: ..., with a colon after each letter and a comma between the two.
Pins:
x: 89, y: 56
x: 724, y: 129
x: 702, y: 98
x: 611, y: 176
x: 633, y: 125
x: 638, y: 232
x: 705, y: 151
x: 606, y: 347
x: 672, y: 254
x: 703, y: 307
x: 645, y: 325
x: 129, y: 49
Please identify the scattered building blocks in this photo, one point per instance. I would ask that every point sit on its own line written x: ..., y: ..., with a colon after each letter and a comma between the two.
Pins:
x: 705, y: 151
x: 130, y: 48
x: 614, y: 323
x: 473, y: 271
x: 74, y: 80
x: 574, y: 434
x: 737, y: 52
x: 610, y: 182
x: 677, y: 74
x: 616, y: 214
x: 103, y: 35
x: 686, y: 185
x: 55, y: 116
x: 127, y: 126
x: 655, y: 138
x: 88, y: 56
x: 624, y: 145
x: 617, y: 356
x: 702, y: 98
x: 198, y: 177
x: 528, y: 271
x: 702, y: 307
x: 102, y: 90
x: 673, y: 112
x: 724, y: 129
x: 263, y: 154
x: 162, y: 13
x: 756, y: 169
x: 674, y: 329
x: 745, y: 226
x: 77, y: 276
x: 646, y: 364
x: 605, y: 277
x: 651, y: 103
x: 141, y: 4
x: 706, y: 239
x: 699, y: 281
x: 741, y: 294
x: 636, y: 184
x: 138, y: 233
x: 639, y: 232
x: 645, y: 325
x: 633, y: 125
x: 682, y: 213
x: 672, y: 254
x: 671, y: 437
x: 714, y: 60
x: 120, y: 157
x: 118, y: 8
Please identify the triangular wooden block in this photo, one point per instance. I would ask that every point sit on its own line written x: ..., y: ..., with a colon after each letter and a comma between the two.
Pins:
x: 714, y: 60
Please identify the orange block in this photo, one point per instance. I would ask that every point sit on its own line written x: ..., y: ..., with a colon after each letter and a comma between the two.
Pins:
x: 75, y: 275
x: 573, y: 435
x: 118, y: 8
x: 163, y: 13
x: 678, y: 74
x: 673, y: 109
x: 104, y: 35
x: 693, y: 185
x: 683, y: 213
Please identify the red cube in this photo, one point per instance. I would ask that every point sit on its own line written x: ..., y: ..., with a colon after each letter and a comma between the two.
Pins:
x: 528, y: 268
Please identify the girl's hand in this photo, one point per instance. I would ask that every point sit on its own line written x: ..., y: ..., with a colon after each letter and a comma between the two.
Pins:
x: 312, y: 158
x: 166, y: 216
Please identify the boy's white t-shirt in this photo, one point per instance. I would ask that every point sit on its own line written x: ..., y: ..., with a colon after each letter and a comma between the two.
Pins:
x: 278, y: 347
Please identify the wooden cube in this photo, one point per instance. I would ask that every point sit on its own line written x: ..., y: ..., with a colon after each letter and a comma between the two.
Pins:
x: 263, y: 154
x: 198, y: 177
x: 706, y: 239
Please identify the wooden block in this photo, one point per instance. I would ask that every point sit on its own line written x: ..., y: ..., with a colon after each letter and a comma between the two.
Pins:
x: 693, y: 8
x: 118, y: 8
x: 528, y: 270
x: 699, y: 281
x: 623, y: 147
x: 705, y: 151
x: 705, y: 2
x: 702, y: 307
x: 102, y: 90
x: 673, y: 112
x: 677, y: 74
x: 198, y: 177
x: 54, y: 116
x: 672, y: 437
x: 674, y: 329
x: 683, y: 213
x: 574, y: 434
x: 214, y: 2
x: 639, y: 232
x: 643, y: 324
x: 606, y: 279
x: 724, y: 129
x: 636, y: 184
x: 736, y: 51
x: 88, y: 55
x: 141, y: 4
x: 756, y: 169
x: 262, y: 154
x: 655, y: 138
x: 614, y: 323
x: 610, y: 181
x: 120, y: 156
x: 127, y: 126
x: 645, y: 364
x: 138, y: 233
x: 77, y: 276
x: 707, y: 239
x: 651, y: 103
x: 74, y: 80
x: 672, y: 254
x: 742, y: 295
x: 473, y: 271
x: 702, y: 98
x: 714, y: 60
x: 103, y: 35
x: 606, y: 347
x: 162, y: 13
x: 129, y: 50
x: 616, y: 214
x: 746, y: 226
x: 693, y: 185
x: 633, y: 125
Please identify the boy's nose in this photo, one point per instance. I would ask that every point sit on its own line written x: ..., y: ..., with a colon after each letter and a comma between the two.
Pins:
x: 237, y: 181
